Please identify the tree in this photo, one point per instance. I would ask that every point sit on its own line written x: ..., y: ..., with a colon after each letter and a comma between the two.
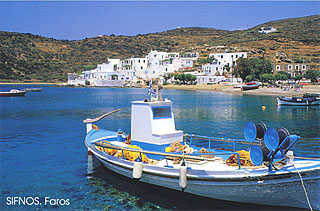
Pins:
x: 191, y: 78
x: 206, y: 60
x: 252, y: 66
x: 249, y: 78
x: 242, y: 69
x: 226, y: 68
x: 185, y: 78
x: 313, y: 75
x: 297, y: 77
x: 267, y: 77
x: 281, y: 77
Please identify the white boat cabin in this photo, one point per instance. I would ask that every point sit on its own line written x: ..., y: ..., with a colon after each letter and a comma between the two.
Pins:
x: 152, y: 125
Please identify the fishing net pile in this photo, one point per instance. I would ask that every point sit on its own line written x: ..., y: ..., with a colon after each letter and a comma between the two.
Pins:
x: 244, y: 159
x: 128, y: 155
x: 178, y: 147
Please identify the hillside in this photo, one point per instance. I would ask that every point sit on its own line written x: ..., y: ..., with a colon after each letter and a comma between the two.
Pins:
x: 31, y: 57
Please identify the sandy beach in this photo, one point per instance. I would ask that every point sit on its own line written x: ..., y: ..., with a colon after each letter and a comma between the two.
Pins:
x: 237, y: 91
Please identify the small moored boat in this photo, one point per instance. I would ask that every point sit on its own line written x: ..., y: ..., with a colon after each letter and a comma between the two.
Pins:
x: 250, y: 86
x: 305, y: 100
x: 263, y: 169
x: 13, y: 93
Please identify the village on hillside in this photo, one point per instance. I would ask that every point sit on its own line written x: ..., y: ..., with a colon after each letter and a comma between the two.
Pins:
x: 189, y: 68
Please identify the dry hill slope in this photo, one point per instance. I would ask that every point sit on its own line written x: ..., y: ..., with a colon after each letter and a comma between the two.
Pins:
x: 27, y: 56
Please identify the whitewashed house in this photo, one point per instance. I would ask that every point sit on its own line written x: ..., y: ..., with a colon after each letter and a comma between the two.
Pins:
x: 105, y: 74
x: 155, y: 65
x: 218, y: 68
x: 267, y: 30
x: 229, y: 59
x: 75, y: 79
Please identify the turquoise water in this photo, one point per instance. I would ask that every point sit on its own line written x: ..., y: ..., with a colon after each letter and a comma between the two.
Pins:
x: 42, y: 152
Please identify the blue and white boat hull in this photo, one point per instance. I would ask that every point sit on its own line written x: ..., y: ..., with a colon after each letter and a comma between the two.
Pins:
x: 279, y: 188
x: 290, y: 102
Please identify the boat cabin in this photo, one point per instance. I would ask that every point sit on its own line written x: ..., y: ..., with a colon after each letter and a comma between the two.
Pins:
x: 153, y: 126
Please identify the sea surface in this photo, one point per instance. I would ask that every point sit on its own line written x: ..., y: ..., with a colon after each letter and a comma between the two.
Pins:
x: 42, y: 153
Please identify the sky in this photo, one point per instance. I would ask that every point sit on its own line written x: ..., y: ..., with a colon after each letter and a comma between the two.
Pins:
x: 75, y: 20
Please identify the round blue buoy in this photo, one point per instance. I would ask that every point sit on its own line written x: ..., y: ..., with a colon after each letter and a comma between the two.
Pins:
x: 256, y: 155
x: 271, y: 139
x: 250, y: 132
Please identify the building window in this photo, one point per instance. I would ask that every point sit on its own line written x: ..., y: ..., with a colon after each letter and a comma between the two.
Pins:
x: 289, y: 67
x: 236, y: 56
x: 297, y: 67
x: 278, y: 67
x: 221, y: 56
x: 303, y: 67
x: 139, y: 60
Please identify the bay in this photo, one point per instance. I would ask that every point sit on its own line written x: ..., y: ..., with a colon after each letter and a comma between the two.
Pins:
x: 42, y: 151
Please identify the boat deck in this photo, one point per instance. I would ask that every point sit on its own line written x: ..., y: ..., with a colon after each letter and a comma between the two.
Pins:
x: 218, y: 163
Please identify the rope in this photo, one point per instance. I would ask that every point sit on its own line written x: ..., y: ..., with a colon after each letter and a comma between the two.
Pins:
x: 304, y: 188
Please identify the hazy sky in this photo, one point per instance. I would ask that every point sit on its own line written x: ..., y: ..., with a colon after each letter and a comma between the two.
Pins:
x: 77, y: 20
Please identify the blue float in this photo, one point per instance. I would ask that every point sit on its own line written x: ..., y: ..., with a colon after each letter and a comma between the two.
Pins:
x: 250, y: 132
x: 256, y: 155
x: 271, y: 139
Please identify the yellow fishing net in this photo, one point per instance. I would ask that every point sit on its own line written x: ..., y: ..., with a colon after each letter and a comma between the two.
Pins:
x: 128, y: 155
x: 244, y: 159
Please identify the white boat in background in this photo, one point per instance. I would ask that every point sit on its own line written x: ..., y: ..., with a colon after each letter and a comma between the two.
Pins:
x: 156, y: 153
x: 13, y: 93
x: 306, y: 100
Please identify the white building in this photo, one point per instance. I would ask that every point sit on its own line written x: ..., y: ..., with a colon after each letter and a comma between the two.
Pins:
x: 105, y: 74
x: 228, y: 59
x: 210, y: 79
x: 222, y: 62
x: 154, y: 65
x: 75, y: 79
x: 190, y: 55
x: 267, y: 30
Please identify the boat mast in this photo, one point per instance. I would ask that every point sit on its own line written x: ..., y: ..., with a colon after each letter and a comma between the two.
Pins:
x: 155, y: 94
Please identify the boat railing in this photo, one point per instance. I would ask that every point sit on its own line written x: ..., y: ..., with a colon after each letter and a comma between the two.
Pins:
x: 182, y: 156
x: 194, y: 139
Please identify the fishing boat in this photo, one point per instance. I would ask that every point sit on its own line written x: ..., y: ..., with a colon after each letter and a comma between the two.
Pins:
x: 13, y: 93
x: 33, y: 89
x: 260, y: 168
x: 250, y: 86
x: 305, y: 100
